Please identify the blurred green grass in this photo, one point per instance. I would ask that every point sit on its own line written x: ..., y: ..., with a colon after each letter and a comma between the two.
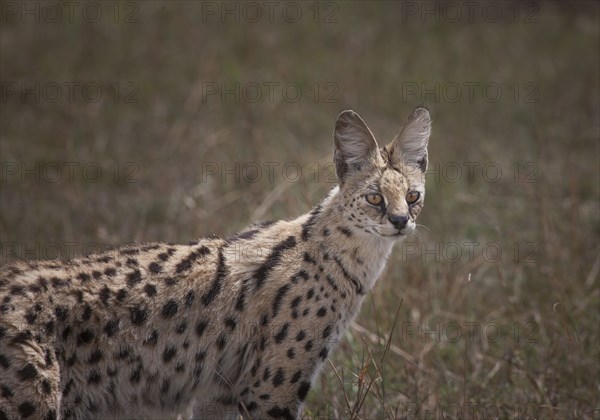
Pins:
x: 545, y: 364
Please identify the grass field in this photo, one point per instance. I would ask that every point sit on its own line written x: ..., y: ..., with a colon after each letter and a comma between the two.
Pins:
x: 174, y: 120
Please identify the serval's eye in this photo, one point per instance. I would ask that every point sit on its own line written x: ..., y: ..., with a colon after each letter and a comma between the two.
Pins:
x: 412, y: 197
x: 374, y: 199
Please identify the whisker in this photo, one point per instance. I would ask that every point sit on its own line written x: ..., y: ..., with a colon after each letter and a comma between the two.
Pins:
x: 423, y: 226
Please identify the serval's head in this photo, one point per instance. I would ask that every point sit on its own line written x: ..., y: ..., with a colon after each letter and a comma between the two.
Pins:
x: 382, y: 189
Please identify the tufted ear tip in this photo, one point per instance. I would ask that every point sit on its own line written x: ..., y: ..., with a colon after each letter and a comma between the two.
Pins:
x: 348, y: 117
x: 420, y: 113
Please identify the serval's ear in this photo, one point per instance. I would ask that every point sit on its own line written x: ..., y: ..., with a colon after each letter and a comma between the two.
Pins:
x: 409, y: 147
x: 355, y: 145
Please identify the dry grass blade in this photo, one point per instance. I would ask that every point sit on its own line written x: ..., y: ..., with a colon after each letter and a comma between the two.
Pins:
x: 399, y: 352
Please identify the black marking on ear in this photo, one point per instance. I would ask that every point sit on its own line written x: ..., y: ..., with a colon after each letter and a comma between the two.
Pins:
x: 422, y: 164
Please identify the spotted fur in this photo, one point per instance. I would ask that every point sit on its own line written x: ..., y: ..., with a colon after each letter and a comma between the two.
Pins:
x: 217, y: 327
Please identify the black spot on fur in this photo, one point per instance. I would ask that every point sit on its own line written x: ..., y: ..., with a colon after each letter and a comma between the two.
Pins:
x: 272, y: 260
x: 87, y: 313
x: 322, y: 311
x: 95, y: 357
x: 154, y: 267
x: 169, y: 309
x: 278, y: 413
x: 220, y: 275
x: 310, y: 222
x: 17, y: 290
x: 121, y: 295
x: 134, y: 278
x: 249, y: 234
x: 164, y: 386
x: 357, y: 285
x: 104, y: 295
x: 327, y: 331
x: 281, y: 292
x: 278, y: 378
x: 241, y: 300
x: 181, y: 327
x: 46, y: 387
x: 136, y: 375
x: 85, y: 337
x: 169, y: 354
x: 308, y: 346
x: 150, y: 290
x: 30, y: 317
x: 296, y: 301
x: 138, y: 315
x: 186, y: 263
x: 130, y: 251
x: 221, y: 341
x: 109, y: 271
x: 303, y: 390
x: 200, y: 328
x: 263, y: 343
x: 230, y: 323
x: 26, y: 409
x: 94, y: 377
x: 266, y: 373
x: 4, y: 361
x: 290, y: 353
x: 66, y: 332
x: 309, y: 259
x: 331, y: 282
x: 83, y: 277
x: 189, y: 298
x: 323, y: 353
x: 282, y: 334
x: 296, y: 377
x: 302, y: 274
x: 301, y: 335
x: 27, y: 373
x: 345, y: 231
x: 6, y: 391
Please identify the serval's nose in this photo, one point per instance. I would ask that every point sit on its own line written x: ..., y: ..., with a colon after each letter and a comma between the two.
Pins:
x: 398, y: 221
